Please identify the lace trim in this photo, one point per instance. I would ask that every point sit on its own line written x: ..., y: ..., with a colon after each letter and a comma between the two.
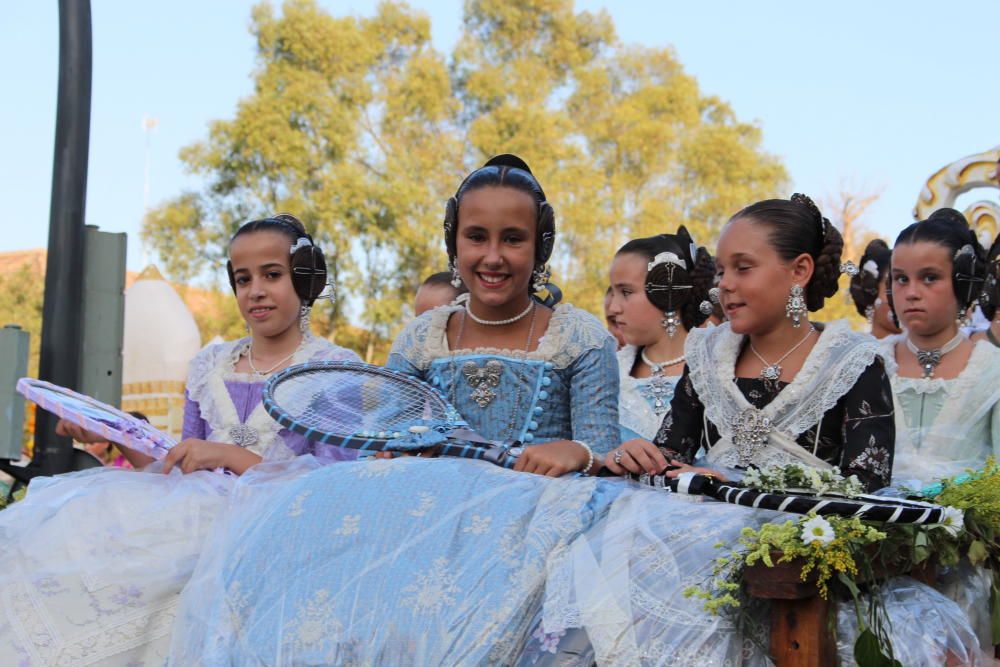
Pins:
x: 983, y: 360
x: 634, y: 410
x: 831, y: 369
x: 571, y: 333
x: 213, y: 367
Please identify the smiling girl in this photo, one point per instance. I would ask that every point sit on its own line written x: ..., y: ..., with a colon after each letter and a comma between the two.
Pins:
x: 947, y: 388
x: 97, y: 559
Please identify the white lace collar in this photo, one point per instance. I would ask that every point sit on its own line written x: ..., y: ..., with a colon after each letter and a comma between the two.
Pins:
x: 984, y: 360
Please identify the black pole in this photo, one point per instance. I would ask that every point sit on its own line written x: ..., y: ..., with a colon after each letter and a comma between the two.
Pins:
x: 62, y: 319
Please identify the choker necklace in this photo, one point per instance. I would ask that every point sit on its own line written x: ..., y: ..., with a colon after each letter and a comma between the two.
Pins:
x: 773, y: 371
x: 657, y: 368
x: 260, y: 373
x: 499, y: 323
x: 929, y: 359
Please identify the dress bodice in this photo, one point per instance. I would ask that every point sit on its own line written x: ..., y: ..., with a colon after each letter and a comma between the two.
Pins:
x: 565, y: 389
x: 643, y: 402
x: 945, y: 426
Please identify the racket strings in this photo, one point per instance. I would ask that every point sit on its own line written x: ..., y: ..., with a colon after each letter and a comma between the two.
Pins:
x: 343, y: 402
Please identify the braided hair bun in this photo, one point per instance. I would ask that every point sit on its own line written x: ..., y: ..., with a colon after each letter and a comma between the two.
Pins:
x: 670, y: 286
x: 989, y: 300
x: 874, y: 265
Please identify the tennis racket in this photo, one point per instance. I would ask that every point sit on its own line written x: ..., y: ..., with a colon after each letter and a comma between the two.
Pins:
x: 370, y: 408
x: 867, y: 507
x: 89, y: 413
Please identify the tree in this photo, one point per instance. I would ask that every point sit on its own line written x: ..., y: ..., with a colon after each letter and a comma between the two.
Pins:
x: 845, y: 209
x: 359, y: 127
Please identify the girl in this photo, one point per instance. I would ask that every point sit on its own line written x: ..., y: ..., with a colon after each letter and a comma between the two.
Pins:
x: 777, y: 261
x: 767, y: 386
x: 86, y: 587
x: 868, y: 289
x: 946, y: 388
x: 433, y: 561
x: 659, y: 292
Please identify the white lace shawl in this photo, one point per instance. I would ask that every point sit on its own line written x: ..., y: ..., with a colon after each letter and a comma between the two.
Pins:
x: 571, y: 332
x: 946, y: 445
x: 831, y: 369
x: 206, y: 386
x: 634, y: 411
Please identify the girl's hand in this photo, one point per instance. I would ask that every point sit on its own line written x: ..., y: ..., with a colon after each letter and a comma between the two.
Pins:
x: 554, y: 459
x: 636, y: 456
x: 78, y: 433
x: 683, y: 467
x: 193, y: 454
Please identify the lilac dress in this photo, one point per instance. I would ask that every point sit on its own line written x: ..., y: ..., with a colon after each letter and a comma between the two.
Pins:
x: 95, y: 561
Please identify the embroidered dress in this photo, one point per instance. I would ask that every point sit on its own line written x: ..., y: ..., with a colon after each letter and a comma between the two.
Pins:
x: 414, y: 561
x: 945, y: 426
x: 95, y: 561
x: 643, y: 402
x: 623, y: 580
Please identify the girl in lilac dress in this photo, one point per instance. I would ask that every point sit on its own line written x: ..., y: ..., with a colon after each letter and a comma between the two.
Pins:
x: 82, y: 586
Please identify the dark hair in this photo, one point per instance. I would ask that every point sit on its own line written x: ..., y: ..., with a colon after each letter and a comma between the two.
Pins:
x: 442, y: 279
x: 670, y: 287
x: 948, y: 228
x: 507, y: 171
x: 864, y: 285
x: 308, y: 266
x: 989, y: 300
x: 797, y: 227
x: 138, y: 415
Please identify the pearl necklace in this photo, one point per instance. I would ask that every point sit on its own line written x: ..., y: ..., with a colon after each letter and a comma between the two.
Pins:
x: 929, y: 359
x: 773, y: 371
x: 273, y: 368
x: 657, y: 368
x: 499, y: 323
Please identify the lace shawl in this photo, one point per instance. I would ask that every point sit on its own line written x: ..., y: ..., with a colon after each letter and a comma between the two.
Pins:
x: 833, y: 366
x: 634, y: 410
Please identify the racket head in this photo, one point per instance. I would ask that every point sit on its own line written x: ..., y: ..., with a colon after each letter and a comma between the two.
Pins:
x: 356, y: 405
x: 91, y: 414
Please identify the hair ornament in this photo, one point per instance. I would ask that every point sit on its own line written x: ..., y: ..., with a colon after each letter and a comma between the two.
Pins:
x: 666, y: 258
x: 850, y: 268
x: 871, y: 267
x: 301, y: 242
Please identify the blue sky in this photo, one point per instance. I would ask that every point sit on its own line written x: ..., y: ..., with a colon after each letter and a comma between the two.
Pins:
x: 871, y: 94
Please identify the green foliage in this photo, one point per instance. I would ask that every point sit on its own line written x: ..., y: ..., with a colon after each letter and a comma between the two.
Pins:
x: 362, y: 129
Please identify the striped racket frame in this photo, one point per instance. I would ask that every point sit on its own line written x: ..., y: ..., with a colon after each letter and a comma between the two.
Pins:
x: 461, y: 440
x: 120, y: 427
x: 867, y: 507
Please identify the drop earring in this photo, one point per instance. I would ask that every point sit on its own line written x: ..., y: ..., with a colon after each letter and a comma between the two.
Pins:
x: 304, y: 319
x: 795, y: 309
x: 670, y: 322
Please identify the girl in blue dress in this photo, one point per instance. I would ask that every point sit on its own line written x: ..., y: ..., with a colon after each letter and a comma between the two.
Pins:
x: 419, y: 561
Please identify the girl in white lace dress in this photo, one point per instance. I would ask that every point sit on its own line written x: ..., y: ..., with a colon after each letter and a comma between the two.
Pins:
x: 659, y: 292
x: 946, y: 388
x: 94, y: 562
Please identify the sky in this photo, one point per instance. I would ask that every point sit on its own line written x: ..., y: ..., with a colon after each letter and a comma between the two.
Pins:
x: 871, y: 95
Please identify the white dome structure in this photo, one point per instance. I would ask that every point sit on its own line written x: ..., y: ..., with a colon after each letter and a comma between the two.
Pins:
x: 161, y: 337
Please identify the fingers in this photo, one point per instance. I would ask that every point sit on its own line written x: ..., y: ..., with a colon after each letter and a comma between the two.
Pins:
x: 176, y: 454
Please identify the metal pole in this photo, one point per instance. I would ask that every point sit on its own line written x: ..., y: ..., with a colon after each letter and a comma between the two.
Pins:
x: 61, y: 313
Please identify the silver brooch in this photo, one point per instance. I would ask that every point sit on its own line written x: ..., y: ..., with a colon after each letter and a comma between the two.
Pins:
x: 243, y: 435
x: 483, y: 380
x: 750, y: 431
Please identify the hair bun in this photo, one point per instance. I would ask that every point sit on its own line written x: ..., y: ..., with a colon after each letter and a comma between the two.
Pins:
x: 508, y: 160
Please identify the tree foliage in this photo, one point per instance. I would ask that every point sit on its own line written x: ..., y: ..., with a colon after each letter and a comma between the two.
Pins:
x: 361, y: 128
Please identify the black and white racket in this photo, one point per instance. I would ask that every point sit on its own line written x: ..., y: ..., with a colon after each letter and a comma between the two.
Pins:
x: 370, y: 408
x: 867, y: 507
